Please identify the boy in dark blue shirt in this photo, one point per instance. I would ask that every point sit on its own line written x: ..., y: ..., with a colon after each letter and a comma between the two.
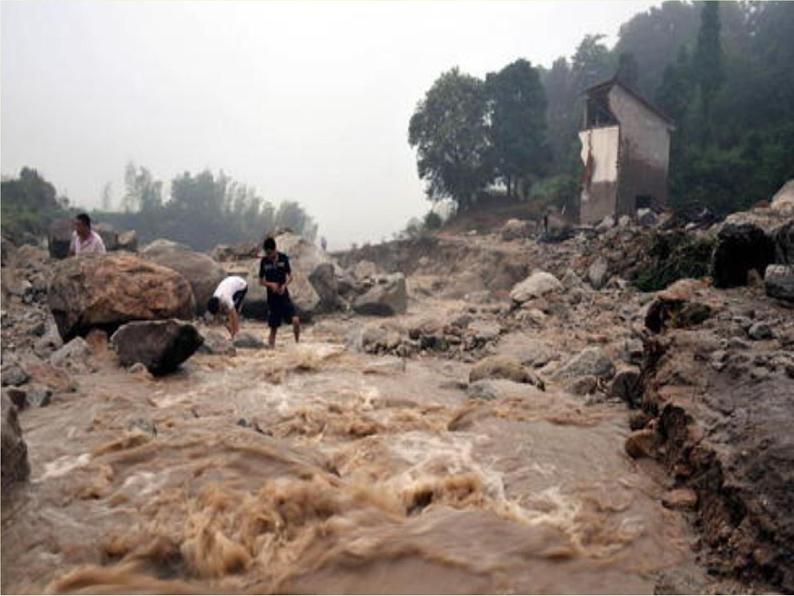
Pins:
x: 275, y: 274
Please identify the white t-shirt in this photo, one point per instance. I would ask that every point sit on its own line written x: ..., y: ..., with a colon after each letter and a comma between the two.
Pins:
x: 228, y: 288
x: 92, y: 244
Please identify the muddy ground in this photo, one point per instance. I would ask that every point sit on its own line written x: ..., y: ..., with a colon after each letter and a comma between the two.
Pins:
x: 365, y: 460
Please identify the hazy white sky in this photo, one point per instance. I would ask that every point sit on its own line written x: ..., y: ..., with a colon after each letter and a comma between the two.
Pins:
x: 303, y: 100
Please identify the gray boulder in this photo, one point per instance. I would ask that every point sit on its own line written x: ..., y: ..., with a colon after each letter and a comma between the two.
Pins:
x: 387, y: 297
x: 217, y: 343
x: 527, y: 350
x: 109, y: 235
x: 365, y: 269
x: 161, y: 346
x: 535, y: 286
x: 590, y: 361
x: 13, y: 374
x: 59, y: 238
x: 779, y: 282
x: 13, y: 451
x: 626, y: 385
x: 72, y: 356
x: 248, y: 340
x: 200, y: 270
x: 597, y: 273
x: 128, y: 241
x: 323, y: 280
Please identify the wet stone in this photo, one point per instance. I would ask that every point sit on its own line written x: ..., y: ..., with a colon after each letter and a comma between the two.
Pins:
x: 680, y: 499
x: 13, y: 374
x: 759, y: 331
x: 642, y: 443
x: 248, y: 341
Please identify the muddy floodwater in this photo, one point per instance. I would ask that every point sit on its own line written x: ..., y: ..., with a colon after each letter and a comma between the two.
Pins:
x: 313, y: 468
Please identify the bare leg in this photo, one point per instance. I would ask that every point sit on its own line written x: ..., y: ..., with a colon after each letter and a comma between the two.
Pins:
x: 272, y: 339
x: 296, y: 328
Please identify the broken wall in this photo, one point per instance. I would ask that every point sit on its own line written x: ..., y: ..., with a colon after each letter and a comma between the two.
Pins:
x: 600, y: 148
x: 644, y: 152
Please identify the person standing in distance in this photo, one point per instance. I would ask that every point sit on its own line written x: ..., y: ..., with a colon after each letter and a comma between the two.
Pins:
x: 85, y: 240
x: 275, y: 274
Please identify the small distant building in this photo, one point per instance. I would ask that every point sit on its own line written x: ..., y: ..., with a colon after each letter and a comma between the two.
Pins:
x: 625, y: 150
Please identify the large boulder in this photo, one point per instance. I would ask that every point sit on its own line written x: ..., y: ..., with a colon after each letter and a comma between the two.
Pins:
x: 534, y: 286
x: 59, y: 238
x: 109, y: 235
x: 110, y: 290
x: 323, y: 280
x: 779, y: 282
x: 161, y: 346
x: 203, y: 273
x: 387, y: 297
x: 365, y: 269
x: 128, y: 241
x: 235, y: 252
x: 739, y: 248
x: 15, y: 466
x: 163, y: 245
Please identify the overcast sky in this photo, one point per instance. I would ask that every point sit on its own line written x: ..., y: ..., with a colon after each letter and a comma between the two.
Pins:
x: 308, y: 101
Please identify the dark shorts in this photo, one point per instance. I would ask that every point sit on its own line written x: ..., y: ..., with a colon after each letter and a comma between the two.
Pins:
x: 280, y: 310
x: 238, y: 298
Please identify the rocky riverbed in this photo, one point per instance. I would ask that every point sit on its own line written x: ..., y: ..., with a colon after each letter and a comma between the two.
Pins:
x: 478, y: 413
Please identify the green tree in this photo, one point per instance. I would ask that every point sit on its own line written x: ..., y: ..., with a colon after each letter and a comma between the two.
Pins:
x: 628, y: 71
x: 142, y: 191
x: 450, y: 133
x: 707, y: 62
x: 517, y: 109
x: 107, y: 197
x: 29, y: 204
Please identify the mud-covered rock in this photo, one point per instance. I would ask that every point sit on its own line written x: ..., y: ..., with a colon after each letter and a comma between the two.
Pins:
x: 626, y: 385
x: 13, y: 374
x: 493, y: 389
x: 680, y: 499
x: 161, y: 346
x: 249, y: 341
x: 14, y: 450
x: 760, y: 331
x: 59, y: 238
x: 678, y: 306
x: 597, y: 273
x: 72, y: 356
x: 110, y: 290
x: 526, y: 349
x: 163, y: 245
x: 109, y: 235
x: 516, y: 229
x: 740, y: 248
x: 585, y: 385
x: 387, y: 297
x: 779, y: 282
x: 323, y: 280
x: 503, y: 367
x: 642, y: 443
x: 536, y: 285
x: 201, y: 271
x: 590, y: 361
x: 217, y: 343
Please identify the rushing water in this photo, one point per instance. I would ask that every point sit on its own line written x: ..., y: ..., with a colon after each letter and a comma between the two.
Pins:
x: 314, y: 469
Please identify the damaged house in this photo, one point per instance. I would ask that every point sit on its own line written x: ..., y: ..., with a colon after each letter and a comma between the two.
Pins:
x: 625, y: 150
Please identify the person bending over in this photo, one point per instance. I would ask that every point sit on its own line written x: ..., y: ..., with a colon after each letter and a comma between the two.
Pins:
x: 275, y: 274
x: 228, y: 299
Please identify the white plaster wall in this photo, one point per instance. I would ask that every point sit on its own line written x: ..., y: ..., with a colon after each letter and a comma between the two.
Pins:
x: 605, y: 143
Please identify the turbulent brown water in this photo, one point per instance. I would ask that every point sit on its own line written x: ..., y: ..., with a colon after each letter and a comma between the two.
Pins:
x: 316, y: 469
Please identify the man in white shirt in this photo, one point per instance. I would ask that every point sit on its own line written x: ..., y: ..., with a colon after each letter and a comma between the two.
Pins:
x: 84, y: 239
x: 228, y: 299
